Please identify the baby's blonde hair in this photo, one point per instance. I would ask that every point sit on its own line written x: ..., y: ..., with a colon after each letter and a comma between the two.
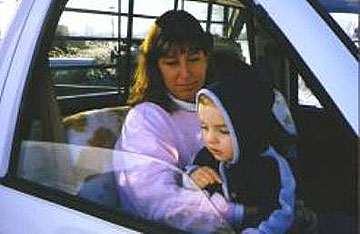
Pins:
x: 206, y: 101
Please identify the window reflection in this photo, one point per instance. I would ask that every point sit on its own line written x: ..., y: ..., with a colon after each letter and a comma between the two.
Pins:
x: 121, y: 181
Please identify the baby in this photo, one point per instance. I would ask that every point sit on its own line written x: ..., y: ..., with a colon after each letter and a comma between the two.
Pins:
x: 238, y: 161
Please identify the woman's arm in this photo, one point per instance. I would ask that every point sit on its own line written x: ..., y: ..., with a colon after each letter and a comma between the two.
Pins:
x: 151, y: 189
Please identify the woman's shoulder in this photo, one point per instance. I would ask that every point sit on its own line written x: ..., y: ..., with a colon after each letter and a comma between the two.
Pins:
x: 148, y: 108
x: 147, y: 113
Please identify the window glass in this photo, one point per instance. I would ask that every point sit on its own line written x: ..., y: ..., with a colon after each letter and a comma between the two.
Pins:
x: 141, y: 27
x: 80, y: 170
x: 349, y: 22
x: 73, y: 154
x: 203, y: 25
x: 85, y: 66
x: 103, y: 5
x: 124, y: 6
x: 217, y: 13
x: 104, y: 78
x: 71, y: 120
x: 92, y: 53
x: 216, y: 29
x: 90, y: 25
x: 146, y: 7
x: 82, y: 68
x: 305, y: 96
x: 244, y: 43
x: 346, y: 14
x: 197, y: 9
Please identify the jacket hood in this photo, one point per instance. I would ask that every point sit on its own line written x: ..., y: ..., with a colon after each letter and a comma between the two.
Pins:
x: 245, y: 100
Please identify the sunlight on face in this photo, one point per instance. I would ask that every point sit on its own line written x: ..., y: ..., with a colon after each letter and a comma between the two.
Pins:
x: 215, y: 132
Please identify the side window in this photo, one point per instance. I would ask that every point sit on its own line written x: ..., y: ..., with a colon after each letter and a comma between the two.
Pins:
x: 72, y: 102
x: 278, y: 62
x: 349, y: 22
x: 305, y: 96
x: 81, y: 58
x: 228, y: 25
x: 72, y: 115
x: 267, y: 48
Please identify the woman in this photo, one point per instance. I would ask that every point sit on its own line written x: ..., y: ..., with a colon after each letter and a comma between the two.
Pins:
x: 163, y: 125
x: 172, y: 67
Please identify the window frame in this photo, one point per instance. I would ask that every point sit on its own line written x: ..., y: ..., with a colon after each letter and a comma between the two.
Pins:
x: 335, y: 27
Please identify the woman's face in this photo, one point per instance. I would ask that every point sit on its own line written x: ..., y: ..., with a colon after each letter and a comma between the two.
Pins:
x: 184, y: 72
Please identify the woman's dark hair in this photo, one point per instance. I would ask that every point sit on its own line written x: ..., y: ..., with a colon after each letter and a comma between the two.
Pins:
x: 173, y: 30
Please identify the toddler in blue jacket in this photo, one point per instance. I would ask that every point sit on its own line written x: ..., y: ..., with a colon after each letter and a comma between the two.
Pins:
x: 238, y: 161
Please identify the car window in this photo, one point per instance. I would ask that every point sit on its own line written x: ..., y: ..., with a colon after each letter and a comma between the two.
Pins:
x: 72, y: 114
x: 83, y: 57
x: 74, y: 155
x: 306, y: 97
x: 346, y: 15
x: 90, y: 57
x: 89, y: 173
x: 349, y: 22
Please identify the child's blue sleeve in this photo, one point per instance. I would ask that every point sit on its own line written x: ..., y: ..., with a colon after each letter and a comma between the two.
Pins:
x: 238, y: 214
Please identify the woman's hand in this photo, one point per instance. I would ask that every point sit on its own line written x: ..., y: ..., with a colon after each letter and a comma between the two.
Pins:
x: 204, y: 176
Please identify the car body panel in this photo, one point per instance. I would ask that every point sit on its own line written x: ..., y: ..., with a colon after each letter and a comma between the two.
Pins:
x: 19, y: 43
x: 47, y: 217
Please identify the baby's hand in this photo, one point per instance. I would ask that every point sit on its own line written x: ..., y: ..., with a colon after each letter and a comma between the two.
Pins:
x: 205, y: 176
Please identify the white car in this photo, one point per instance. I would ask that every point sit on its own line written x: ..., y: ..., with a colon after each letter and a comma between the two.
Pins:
x: 65, y: 69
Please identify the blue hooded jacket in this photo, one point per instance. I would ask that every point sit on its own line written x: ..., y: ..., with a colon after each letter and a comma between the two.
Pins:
x: 257, y: 176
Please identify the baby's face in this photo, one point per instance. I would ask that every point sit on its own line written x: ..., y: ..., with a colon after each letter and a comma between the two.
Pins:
x: 215, y: 132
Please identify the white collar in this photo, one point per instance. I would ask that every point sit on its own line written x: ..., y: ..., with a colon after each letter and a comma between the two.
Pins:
x: 187, y: 106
